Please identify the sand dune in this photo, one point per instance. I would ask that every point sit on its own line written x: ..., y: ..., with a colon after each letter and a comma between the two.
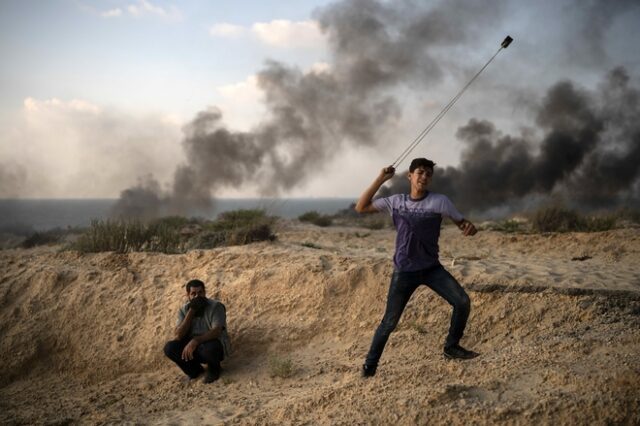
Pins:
x: 81, y: 336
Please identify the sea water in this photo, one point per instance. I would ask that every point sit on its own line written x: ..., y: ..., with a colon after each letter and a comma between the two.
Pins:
x: 43, y: 214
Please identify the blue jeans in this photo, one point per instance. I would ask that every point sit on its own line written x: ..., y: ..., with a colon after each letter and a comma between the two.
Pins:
x: 402, y: 286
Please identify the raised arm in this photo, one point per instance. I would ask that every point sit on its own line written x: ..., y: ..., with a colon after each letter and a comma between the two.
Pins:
x: 183, y: 328
x: 364, y: 202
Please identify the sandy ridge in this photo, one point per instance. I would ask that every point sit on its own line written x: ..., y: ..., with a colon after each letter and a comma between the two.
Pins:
x: 82, y: 334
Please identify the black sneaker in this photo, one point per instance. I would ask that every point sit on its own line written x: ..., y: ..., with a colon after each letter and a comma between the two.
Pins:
x: 211, y: 375
x: 369, y: 370
x: 458, y: 352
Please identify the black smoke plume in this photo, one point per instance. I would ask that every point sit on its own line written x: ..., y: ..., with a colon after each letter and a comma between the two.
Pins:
x: 588, y: 154
x: 376, y: 49
x: 312, y: 115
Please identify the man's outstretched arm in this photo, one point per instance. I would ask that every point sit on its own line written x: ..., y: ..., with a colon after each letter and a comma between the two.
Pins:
x: 466, y: 227
x: 364, y: 202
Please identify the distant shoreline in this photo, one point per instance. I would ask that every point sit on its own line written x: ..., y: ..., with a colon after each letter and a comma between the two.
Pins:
x: 43, y: 214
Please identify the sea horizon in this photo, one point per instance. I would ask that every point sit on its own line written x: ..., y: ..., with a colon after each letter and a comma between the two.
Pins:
x: 41, y: 214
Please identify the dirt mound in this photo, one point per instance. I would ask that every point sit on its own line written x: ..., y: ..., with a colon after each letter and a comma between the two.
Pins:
x: 83, y: 334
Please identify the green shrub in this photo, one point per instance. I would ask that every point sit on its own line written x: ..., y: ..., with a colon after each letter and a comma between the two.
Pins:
x: 112, y: 235
x: 250, y: 234
x: 280, y: 367
x: 555, y: 219
x: 237, y: 227
x: 348, y: 213
x: 627, y: 215
x: 509, y: 226
x: 241, y: 219
x: 316, y: 218
x: 598, y: 223
x: 374, y: 222
x: 176, y: 222
x: 18, y: 229
x: 309, y: 216
x: 42, y: 238
x: 558, y: 219
x: 164, y: 236
x: 323, y: 221
x: 123, y: 236
x: 175, y: 234
x: 209, y: 240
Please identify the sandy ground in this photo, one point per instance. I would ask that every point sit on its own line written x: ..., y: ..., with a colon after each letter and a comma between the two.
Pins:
x: 81, y: 336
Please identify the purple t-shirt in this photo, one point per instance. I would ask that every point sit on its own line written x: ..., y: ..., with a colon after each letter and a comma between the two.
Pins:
x: 417, y: 224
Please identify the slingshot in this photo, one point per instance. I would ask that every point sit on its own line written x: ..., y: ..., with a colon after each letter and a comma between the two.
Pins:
x: 505, y: 43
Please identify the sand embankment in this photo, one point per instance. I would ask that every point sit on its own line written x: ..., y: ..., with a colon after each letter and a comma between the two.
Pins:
x: 81, y: 335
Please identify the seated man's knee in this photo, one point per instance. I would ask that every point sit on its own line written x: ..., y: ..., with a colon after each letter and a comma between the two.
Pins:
x: 172, y: 349
x: 210, y: 351
x: 206, y: 353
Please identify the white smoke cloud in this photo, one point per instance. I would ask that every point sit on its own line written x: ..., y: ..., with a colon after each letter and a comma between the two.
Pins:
x: 242, y: 102
x: 67, y: 149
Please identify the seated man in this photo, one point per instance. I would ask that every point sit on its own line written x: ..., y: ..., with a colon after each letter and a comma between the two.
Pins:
x: 201, y: 335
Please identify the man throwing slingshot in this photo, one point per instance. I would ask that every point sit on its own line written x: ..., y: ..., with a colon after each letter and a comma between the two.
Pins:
x: 417, y: 217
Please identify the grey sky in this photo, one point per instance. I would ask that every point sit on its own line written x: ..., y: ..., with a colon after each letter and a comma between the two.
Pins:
x: 94, y: 100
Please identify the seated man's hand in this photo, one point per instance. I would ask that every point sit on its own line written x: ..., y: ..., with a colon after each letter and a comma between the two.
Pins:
x: 198, y: 305
x: 187, y: 352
